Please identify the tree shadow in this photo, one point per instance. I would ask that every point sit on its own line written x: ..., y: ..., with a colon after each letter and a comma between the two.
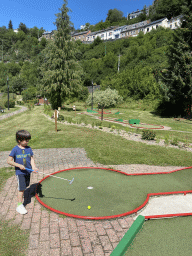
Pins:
x: 188, y: 118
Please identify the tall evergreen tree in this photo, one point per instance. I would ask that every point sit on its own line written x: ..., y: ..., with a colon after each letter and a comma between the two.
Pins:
x: 10, y: 26
x: 62, y: 76
x: 178, y: 78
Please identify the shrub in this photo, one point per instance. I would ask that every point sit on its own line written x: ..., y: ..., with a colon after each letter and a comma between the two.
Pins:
x: 93, y: 124
x: 30, y: 104
x: 98, y: 123
x: 113, y: 127
x: 20, y: 102
x: 100, y: 127
x: 166, y: 139
x: 109, y: 125
x: 60, y: 118
x: 148, y: 135
x: 48, y: 110
x: 11, y: 104
x: 174, y: 141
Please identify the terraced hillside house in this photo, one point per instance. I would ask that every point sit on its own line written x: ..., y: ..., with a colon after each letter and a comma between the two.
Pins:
x: 155, y: 24
x: 137, y: 13
x: 48, y: 35
x: 175, y: 22
x: 105, y: 34
x: 134, y: 29
x: 81, y: 35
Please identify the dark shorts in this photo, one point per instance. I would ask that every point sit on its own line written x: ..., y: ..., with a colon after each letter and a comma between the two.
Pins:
x: 23, y: 181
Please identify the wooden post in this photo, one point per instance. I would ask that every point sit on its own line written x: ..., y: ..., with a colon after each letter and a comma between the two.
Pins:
x: 55, y: 120
x: 102, y: 114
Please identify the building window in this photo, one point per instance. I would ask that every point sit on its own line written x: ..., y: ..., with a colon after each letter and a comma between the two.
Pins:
x: 170, y: 26
x: 147, y: 29
x: 156, y: 26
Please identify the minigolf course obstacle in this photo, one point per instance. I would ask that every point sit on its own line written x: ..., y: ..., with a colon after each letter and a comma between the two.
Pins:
x: 91, y: 111
x: 128, y: 237
x: 134, y: 121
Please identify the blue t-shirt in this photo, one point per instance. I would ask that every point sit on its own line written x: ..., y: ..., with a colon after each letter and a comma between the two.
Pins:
x: 22, y: 156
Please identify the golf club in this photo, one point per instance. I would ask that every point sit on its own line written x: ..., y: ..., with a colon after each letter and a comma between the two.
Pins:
x: 70, y: 181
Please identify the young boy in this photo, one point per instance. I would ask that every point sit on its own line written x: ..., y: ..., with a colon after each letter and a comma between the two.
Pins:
x: 21, y: 156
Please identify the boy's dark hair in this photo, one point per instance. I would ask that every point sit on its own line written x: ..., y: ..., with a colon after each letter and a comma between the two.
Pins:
x: 22, y: 135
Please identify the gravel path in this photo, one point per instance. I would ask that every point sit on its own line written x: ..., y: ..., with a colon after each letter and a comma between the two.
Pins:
x: 51, y: 234
x: 4, y: 116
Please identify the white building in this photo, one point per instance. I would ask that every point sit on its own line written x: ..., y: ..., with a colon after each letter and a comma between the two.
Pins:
x: 155, y: 24
x: 137, y: 13
x: 174, y: 23
x: 82, y: 26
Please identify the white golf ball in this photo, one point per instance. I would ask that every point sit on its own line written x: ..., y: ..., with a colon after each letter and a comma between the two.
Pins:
x: 90, y: 187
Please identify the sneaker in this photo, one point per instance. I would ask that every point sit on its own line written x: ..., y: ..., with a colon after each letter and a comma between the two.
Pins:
x: 21, y: 209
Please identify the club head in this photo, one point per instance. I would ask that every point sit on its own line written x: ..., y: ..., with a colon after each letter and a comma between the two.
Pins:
x: 71, y: 181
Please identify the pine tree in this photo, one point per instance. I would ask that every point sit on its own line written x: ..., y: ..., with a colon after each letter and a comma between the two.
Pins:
x: 62, y: 76
x: 178, y: 78
x: 10, y: 26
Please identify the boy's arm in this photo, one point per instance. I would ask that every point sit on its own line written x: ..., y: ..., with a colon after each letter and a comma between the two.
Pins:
x: 10, y: 160
x: 33, y: 163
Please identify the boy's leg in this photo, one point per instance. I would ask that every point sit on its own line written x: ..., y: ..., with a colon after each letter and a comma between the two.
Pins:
x: 21, y: 188
x: 20, y: 196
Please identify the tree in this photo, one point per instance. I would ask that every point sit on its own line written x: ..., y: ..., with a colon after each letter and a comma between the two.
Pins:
x: 29, y: 73
x: 29, y: 94
x: 18, y: 83
x: 105, y: 99
x: 143, y: 14
x: 22, y: 27
x: 10, y: 26
x: 87, y: 25
x: 20, y: 35
x: 178, y: 76
x: 165, y: 8
x: 114, y: 15
x: 96, y: 41
x: 43, y: 42
x: 110, y: 61
x: 62, y: 75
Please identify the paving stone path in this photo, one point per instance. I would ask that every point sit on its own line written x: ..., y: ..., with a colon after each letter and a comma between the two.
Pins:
x: 51, y: 234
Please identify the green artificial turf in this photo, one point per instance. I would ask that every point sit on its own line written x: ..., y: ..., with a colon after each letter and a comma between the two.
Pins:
x: 113, y: 193
x: 163, y: 237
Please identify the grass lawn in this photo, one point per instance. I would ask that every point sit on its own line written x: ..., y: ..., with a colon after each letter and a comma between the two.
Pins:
x: 101, y: 147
